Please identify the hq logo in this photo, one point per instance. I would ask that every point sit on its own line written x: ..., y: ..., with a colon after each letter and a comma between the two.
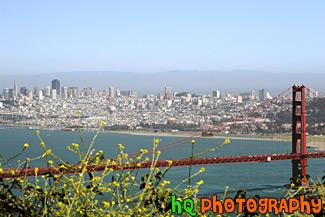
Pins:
x: 262, y: 205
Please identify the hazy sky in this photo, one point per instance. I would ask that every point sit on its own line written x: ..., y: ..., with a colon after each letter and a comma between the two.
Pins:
x: 151, y: 35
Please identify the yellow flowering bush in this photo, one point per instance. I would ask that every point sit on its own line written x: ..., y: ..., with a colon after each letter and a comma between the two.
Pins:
x: 79, y: 190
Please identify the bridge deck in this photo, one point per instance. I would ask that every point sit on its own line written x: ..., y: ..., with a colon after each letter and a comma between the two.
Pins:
x: 163, y: 163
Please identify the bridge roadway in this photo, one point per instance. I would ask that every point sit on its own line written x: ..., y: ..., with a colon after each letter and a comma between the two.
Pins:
x: 162, y: 163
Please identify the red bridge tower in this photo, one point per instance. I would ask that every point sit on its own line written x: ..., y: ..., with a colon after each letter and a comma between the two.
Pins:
x: 299, y: 167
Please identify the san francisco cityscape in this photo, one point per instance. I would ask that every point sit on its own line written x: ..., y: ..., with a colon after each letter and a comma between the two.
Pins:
x: 56, y: 107
x: 162, y: 108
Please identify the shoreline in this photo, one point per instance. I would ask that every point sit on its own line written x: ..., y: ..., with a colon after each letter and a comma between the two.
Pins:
x: 314, y: 142
x: 318, y: 145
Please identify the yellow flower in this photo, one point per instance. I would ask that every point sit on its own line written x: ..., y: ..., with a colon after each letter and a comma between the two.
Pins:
x: 1, y: 170
x: 12, y: 172
x: 27, y: 160
x: 101, y: 122
x: 37, y: 132
x: 50, y: 162
x: 79, y: 111
x: 36, y: 170
x: 42, y: 144
x: 227, y: 141
x: 170, y: 162
x: 193, y: 141
x: 292, y: 185
x: 106, y: 204
x: 26, y: 145
x: 138, y: 165
x: 121, y: 146
x: 157, y: 141
x: 48, y: 152
x: 202, y: 169
x: 75, y: 145
x: 126, y: 155
x: 147, y: 159
x: 158, y: 152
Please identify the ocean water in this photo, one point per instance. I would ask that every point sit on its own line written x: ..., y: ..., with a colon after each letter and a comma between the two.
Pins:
x: 264, y: 179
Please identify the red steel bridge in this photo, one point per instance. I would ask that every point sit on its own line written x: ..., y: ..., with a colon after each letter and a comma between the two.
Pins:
x: 245, y: 144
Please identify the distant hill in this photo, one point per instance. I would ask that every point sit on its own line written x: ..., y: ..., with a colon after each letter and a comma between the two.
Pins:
x: 199, y: 82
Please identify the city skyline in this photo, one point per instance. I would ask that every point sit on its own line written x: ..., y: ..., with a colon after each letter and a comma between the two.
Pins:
x: 54, y: 92
x: 199, y: 82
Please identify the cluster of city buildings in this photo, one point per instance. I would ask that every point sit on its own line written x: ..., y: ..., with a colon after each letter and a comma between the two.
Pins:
x: 55, y: 92
x: 57, y: 107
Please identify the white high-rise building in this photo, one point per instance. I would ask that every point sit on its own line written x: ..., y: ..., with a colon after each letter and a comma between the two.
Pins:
x: 53, y: 94
x: 40, y: 95
x: 47, y: 91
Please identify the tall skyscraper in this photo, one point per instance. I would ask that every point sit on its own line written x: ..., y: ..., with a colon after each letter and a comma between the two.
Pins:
x: 36, y: 91
x: 24, y: 91
x: 262, y: 94
x: 111, y: 92
x: 11, y: 93
x: 15, y: 89
x: 53, y: 94
x: 40, y: 95
x: 6, y: 93
x: 47, y: 91
x: 216, y: 93
x: 64, y: 92
x: 56, y: 86
x: 167, y: 92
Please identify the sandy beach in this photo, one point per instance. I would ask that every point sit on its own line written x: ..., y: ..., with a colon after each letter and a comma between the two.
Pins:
x: 318, y: 145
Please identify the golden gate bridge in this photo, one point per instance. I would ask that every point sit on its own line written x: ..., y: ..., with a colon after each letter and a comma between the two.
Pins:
x: 192, y: 150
